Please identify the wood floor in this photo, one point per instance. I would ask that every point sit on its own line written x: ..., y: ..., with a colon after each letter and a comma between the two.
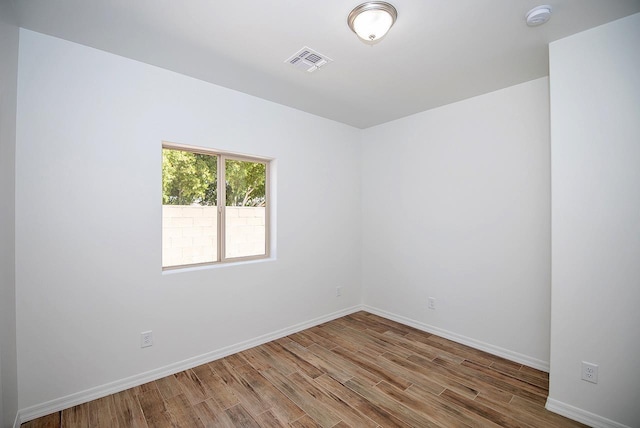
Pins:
x: 360, y: 371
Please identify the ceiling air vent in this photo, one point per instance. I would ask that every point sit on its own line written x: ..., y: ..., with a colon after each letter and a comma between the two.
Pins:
x: 308, y: 60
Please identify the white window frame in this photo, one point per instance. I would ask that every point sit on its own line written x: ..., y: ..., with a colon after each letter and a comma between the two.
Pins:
x: 222, y: 156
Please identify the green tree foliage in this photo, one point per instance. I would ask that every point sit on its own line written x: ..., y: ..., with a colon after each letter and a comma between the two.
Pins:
x: 245, y: 183
x: 188, y: 178
x: 191, y: 178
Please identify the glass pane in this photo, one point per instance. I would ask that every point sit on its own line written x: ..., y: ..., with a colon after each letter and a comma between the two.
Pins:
x: 245, y: 226
x: 189, y: 208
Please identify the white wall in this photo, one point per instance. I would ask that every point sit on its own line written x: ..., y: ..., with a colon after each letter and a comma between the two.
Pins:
x: 8, y: 88
x: 465, y: 219
x: 595, y: 136
x: 90, y: 127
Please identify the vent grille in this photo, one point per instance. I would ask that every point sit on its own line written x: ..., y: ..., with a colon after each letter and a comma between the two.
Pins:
x: 313, y: 58
x: 308, y: 60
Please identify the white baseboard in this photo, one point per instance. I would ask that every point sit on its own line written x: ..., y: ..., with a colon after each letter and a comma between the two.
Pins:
x: 36, y: 411
x: 58, y: 404
x: 587, y: 418
x: 487, y: 347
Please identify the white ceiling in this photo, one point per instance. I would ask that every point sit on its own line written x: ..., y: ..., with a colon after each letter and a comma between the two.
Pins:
x: 438, y: 52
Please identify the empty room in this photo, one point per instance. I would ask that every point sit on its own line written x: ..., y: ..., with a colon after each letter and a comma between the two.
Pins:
x: 413, y: 213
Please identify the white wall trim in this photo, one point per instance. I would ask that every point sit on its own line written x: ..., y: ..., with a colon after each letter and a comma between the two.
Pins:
x: 477, y: 344
x: 58, y: 404
x: 587, y: 418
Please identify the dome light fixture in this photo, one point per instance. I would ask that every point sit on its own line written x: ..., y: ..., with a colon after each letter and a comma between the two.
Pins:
x: 538, y: 15
x: 372, y: 20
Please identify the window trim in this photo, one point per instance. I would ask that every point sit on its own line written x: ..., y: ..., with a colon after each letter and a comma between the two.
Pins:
x: 221, y: 157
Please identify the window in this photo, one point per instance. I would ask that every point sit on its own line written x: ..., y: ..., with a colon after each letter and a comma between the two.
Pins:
x: 204, y: 221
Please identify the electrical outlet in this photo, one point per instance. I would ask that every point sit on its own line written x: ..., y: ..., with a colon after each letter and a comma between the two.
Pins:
x: 146, y: 339
x: 431, y: 302
x: 590, y: 372
x: 338, y: 291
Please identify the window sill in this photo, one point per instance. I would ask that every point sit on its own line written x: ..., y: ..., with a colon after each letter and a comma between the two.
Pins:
x: 172, y: 271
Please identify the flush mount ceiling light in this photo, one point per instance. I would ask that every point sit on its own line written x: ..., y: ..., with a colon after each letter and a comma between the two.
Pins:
x: 371, y: 20
x: 538, y: 15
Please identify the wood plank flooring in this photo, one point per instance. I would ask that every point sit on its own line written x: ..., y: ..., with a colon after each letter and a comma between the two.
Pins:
x: 357, y: 371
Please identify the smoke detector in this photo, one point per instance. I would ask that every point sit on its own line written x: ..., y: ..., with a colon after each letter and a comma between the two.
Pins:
x: 538, y: 15
x: 308, y: 60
